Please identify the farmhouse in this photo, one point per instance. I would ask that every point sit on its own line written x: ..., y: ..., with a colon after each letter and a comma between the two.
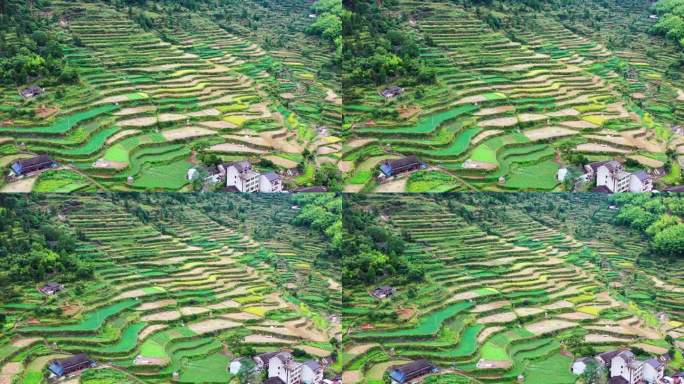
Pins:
x: 312, y: 372
x: 32, y: 91
x: 51, y: 288
x: 241, y: 176
x: 612, y: 175
x: 383, y: 292
x: 284, y: 367
x: 270, y: 182
x: 390, y: 92
x: 70, y: 365
x: 654, y: 370
x: 404, y: 373
x: 391, y: 168
x: 625, y: 368
x: 32, y: 164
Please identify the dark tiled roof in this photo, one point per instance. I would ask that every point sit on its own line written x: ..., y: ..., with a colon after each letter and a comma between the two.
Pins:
x: 241, y: 166
x: 73, y: 361
x: 32, y: 161
x: 596, y: 165
x: 677, y: 188
x: 612, y: 165
x: 404, y: 162
x: 408, y: 369
x: 265, y: 357
x: 641, y: 175
x: 271, y: 176
x: 608, y: 356
x: 313, y: 365
x: 655, y: 363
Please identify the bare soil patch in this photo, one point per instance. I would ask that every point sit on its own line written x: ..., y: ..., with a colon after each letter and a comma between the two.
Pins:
x: 407, y: 112
x: 150, y: 330
x: 484, y: 135
x: 495, y: 110
x: 121, y: 135
x: 186, y: 132
x: 212, y: 325
x: 162, y: 316
x: 44, y: 112
x: 548, y: 133
x: 234, y: 148
x: 548, y: 326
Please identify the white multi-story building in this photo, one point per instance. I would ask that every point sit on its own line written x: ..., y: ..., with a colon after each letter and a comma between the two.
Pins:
x: 312, y: 372
x: 270, y: 182
x: 612, y: 175
x: 626, y: 369
x: 241, y: 176
x: 654, y: 371
x: 284, y: 367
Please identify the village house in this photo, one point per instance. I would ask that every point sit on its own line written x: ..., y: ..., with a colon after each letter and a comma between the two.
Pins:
x: 51, y: 288
x: 33, y: 164
x: 241, y: 176
x: 284, y: 367
x: 612, y: 176
x: 270, y: 182
x: 390, y: 168
x: 626, y: 369
x: 383, y: 292
x: 654, y: 371
x: 64, y: 367
x: 312, y: 372
x: 640, y: 182
x: 401, y: 374
x: 31, y: 91
x: 390, y: 92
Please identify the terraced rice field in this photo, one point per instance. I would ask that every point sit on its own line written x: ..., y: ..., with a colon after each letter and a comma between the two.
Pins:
x: 150, y: 102
x: 509, y: 283
x: 167, y: 297
x: 518, y: 101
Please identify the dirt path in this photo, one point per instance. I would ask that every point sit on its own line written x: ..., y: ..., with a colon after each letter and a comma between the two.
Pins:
x: 24, y: 185
x: 394, y: 186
